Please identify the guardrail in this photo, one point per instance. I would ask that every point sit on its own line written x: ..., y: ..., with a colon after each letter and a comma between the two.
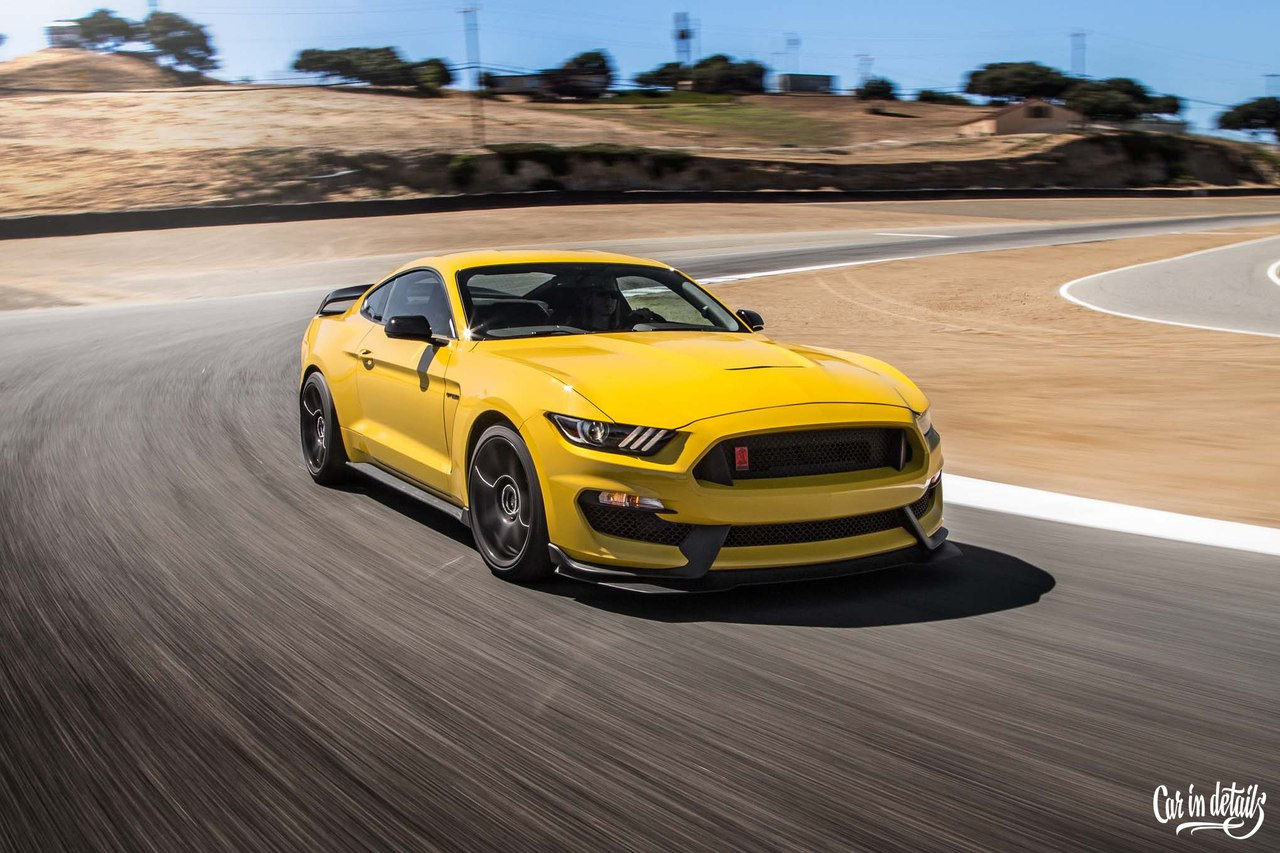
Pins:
x: 154, y: 219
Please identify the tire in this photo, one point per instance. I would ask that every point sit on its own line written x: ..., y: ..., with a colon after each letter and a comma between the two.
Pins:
x: 322, y: 449
x: 508, y: 520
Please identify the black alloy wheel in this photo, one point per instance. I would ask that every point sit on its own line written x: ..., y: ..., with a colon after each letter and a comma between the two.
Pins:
x: 322, y: 447
x: 507, y: 517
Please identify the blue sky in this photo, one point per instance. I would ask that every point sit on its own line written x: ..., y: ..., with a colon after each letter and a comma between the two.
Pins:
x: 1212, y: 53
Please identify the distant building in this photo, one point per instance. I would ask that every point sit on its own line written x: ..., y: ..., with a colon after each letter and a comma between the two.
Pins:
x: 516, y: 84
x: 549, y: 84
x: 821, y: 84
x: 62, y: 33
x: 1030, y: 116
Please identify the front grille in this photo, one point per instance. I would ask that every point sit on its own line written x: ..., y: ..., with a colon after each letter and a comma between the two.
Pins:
x: 634, y: 524
x: 796, y: 532
x: 803, y: 454
x: 650, y: 527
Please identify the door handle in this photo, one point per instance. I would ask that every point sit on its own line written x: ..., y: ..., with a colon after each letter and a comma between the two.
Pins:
x: 365, y: 353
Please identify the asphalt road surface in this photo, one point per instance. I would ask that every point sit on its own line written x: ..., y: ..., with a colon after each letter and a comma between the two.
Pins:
x: 200, y: 649
x: 1235, y: 288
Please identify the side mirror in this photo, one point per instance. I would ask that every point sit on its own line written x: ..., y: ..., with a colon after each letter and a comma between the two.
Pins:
x: 413, y: 327
x: 753, y: 320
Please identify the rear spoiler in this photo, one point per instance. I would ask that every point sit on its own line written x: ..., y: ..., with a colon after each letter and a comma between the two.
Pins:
x: 342, y: 294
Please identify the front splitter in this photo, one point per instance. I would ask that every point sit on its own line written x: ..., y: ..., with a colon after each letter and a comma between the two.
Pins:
x: 662, y: 581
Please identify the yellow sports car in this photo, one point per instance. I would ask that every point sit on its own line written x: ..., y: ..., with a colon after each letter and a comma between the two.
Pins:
x: 605, y: 418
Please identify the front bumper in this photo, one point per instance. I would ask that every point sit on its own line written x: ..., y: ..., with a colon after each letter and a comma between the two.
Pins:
x: 566, y: 473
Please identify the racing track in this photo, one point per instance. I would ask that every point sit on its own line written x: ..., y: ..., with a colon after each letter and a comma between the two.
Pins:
x: 201, y: 649
x: 1228, y: 289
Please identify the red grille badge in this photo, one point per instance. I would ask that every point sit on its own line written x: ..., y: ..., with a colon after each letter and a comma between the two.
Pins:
x: 741, y: 460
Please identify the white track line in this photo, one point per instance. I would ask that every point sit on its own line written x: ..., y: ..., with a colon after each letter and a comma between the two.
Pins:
x: 1065, y: 290
x: 1105, y: 515
x: 901, y: 234
x: 723, y: 279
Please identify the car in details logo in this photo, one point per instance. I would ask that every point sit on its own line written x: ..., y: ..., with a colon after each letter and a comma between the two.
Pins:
x: 1237, y: 809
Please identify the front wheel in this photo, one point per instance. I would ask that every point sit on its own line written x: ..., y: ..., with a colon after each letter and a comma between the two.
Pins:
x: 322, y: 447
x: 507, y: 516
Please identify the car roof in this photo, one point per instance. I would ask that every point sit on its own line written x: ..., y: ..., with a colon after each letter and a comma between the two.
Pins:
x: 454, y: 261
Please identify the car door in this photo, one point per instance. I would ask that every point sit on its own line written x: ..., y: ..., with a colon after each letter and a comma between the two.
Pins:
x: 402, y: 383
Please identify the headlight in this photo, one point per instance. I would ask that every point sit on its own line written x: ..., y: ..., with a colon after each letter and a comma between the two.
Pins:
x: 924, y: 422
x: 616, y: 438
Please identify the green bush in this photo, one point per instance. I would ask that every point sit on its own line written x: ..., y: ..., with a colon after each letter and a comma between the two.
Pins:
x: 513, y: 154
x: 877, y: 89
x: 932, y: 96
x: 462, y: 170
x: 665, y: 161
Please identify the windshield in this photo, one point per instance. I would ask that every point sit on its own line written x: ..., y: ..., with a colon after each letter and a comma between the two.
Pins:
x: 524, y: 300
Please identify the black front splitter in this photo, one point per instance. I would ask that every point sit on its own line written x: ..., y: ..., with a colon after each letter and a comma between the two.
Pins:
x: 668, y: 580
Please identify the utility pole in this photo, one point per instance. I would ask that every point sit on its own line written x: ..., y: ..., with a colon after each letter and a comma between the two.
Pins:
x: 793, y: 50
x: 683, y: 34
x: 864, y: 68
x: 473, y: 60
x: 1078, y: 53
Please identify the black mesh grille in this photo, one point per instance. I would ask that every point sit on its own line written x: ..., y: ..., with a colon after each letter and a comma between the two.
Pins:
x: 634, y: 524
x: 802, y: 454
x: 796, y: 532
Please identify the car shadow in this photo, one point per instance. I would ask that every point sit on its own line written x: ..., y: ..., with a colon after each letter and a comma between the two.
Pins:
x: 409, y: 507
x: 978, y: 582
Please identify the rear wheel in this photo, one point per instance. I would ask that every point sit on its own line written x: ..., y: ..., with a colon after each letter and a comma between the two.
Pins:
x: 507, y: 516
x: 322, y: 447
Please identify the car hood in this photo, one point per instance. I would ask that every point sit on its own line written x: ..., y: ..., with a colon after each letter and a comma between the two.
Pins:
x: 671, y: 379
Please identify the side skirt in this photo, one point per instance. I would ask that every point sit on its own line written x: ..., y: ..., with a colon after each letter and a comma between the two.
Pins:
x: 407, y: 487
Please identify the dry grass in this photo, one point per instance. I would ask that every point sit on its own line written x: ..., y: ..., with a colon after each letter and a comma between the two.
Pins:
x: 60, y: 69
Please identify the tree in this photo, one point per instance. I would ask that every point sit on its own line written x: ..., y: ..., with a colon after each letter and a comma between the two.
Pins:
x: 432, y: 75
x: 1119, y: 99
x: 1017, y: 81
x: 1165, y: 105
x: 1260, y: 114
x: 184, y: 42
x: 720, y: 74
x: 587, y: 75
x: 1097, y: 100
x: 592, y: 62
x: 932, y: 96
x: 666, y: 76
x: 106, y: 31
x: 377, y: 66
x: 877, y: 89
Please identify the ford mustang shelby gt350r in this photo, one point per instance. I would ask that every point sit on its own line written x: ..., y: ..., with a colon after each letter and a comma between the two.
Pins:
x: 605, y: 418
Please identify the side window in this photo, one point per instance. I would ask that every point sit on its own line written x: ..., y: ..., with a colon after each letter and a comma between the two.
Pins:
x: 375, y: 303
x: 421, y: 292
